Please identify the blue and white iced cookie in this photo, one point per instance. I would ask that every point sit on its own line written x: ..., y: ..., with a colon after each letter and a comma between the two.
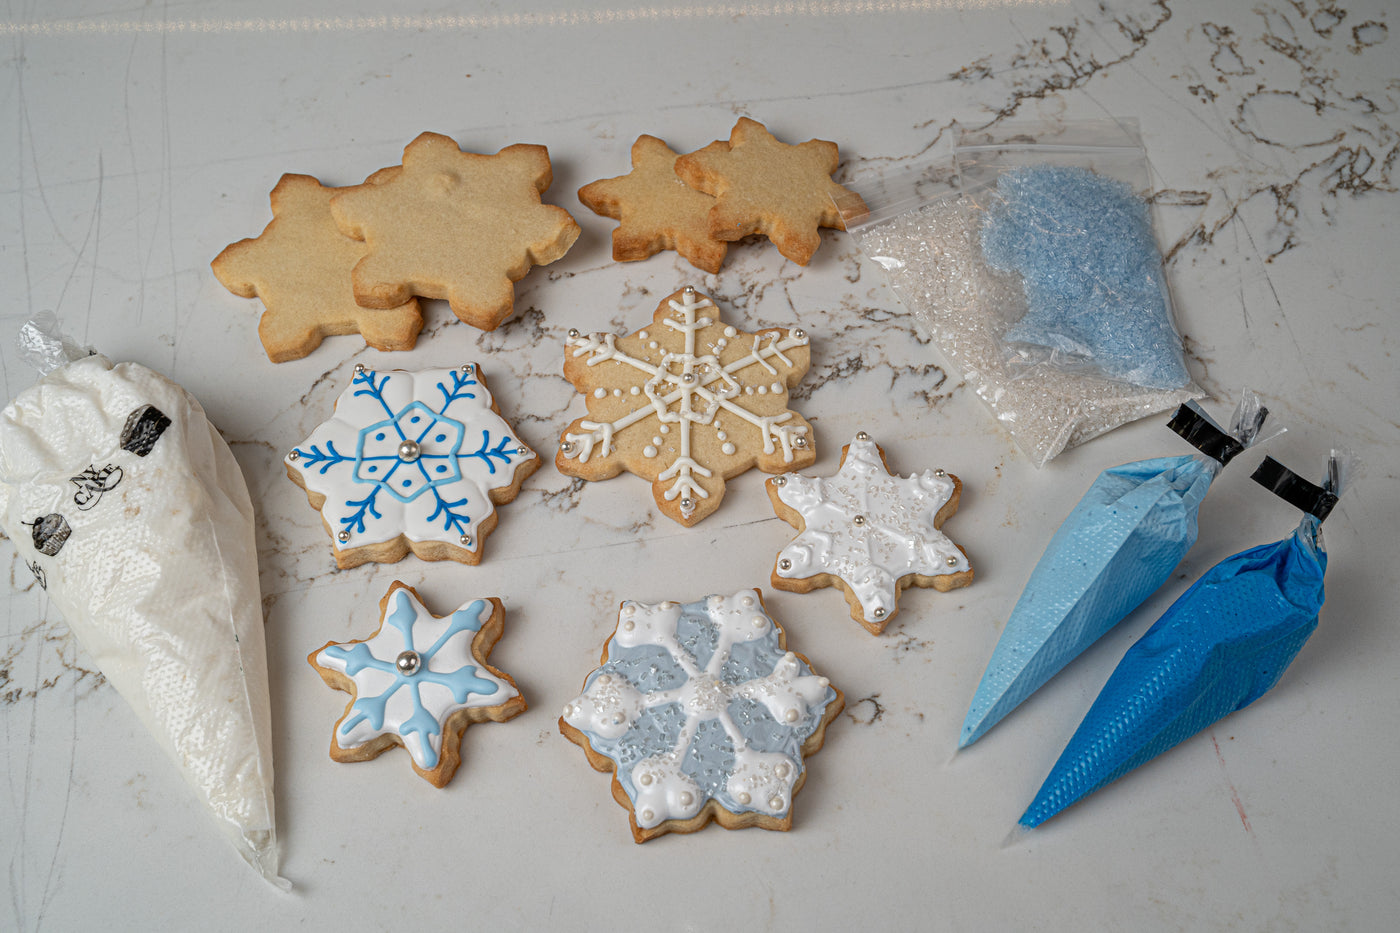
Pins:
x: 418, y: 682
x: 702, y: 714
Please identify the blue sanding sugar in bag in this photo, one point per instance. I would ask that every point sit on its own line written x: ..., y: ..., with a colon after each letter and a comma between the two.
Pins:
x: 1082, y: 244
x: 1221, y: 646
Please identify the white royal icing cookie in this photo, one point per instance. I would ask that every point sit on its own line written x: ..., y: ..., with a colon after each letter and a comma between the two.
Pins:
x: 871, y: 533
x: 418, y: 681
x: 411, y: 461
x: 702, y: 713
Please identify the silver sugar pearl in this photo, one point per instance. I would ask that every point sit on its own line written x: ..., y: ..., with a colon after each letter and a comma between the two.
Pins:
x: 799, y: 334
x: 409, y: 451
x: 862, y: 436
x: 359, y: 369
x: 343, y: 536
x: 687, y: 378
x: 952, y: 561
x: 567, y: 446
x: 465, y: 540
x: 573, y: 333
x: 859, y: 520
x: 408, y: 663
x: 468, y: 369
x: 940, y: 472
x: 294, y: 455
x: 784, y: 564
x: 879, y: 613
x: 687, y: 504
x: 690, y: 289
x: 522, y: 450
x: 800, y: 441
x: 780, y: 481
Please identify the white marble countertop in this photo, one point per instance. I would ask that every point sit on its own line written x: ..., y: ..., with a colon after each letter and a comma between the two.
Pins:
x: 144, y: 138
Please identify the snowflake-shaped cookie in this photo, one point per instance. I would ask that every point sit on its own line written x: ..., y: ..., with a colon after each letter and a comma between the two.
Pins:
x: 411, y: 462
x: 418, y: 681
x: 868, y: 532
x: 686, y: 404
x: 701, y: 714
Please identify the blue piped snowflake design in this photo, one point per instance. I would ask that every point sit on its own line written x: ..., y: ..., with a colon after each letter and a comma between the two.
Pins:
x: 413, y: 454
x: 413, y: 701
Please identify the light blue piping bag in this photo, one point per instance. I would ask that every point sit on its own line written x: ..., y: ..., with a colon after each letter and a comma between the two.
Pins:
x: 1219, y: 647
x: 1121, y: 542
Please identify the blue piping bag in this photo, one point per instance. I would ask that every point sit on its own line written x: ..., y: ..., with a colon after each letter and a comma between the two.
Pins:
x: 1115, y: 549
x: 1219, y: 647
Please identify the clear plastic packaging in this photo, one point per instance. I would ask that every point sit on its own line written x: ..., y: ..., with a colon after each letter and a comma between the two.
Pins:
x: 131, y: 512
x: 928, y: 237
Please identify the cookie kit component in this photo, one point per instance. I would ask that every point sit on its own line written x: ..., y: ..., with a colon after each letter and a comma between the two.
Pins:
x: 128, y: 507
x: 419, y: 681
x: 1118, y: 545
x: 868, y: 532
x: 701, y: 713
x: 411, y: 461
x: 1223, y: 644
x: 299, y: 266
x: 764, y: 186
x: 656, y: 210
x: 929, y: 241
x: 454, y: 225
x: 686, y: 403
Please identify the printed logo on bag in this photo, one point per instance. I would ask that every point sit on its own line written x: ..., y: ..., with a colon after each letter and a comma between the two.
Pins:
x: 50, y: 533
x: 92, y: 483
x: 144, y: 426
x: 39, y: 574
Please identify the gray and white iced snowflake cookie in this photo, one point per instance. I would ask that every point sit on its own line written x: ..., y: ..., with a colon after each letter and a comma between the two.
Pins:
x: 411, y: 461
x: 868, y: 532
x: 702, y: 714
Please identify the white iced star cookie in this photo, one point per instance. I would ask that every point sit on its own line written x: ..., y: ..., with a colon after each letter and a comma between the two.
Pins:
x: 701, y: 713
x: 869, y: 532
x: 418, y: 681
x: 411, y: 462
x: 686, y: 403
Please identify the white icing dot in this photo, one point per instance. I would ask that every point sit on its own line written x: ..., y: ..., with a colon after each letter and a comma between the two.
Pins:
x: 617, y: 392
x: 629, y: 625
x: 748, y: 390
x: 648, y: 816
x: 728, y: 448
x: 665, y: 429
x: 721, y: 343
x: 762, y: 390
x: 643, y: 334
x: 743, y: 798
x: 645, y: 780
x: 791, y: 715
x: 759, y: 622
x: 782, y: 770
x: 687, y: 798
x: 721, y: 435
x: 776, y: 387
x: 648, y: 451
x: 656, y: 441
x: 775, y: 803
x: 600, y: 393
x: 746, y: 602
x: 635, y: 390
x: 730, y: 332
x: 652, y: 344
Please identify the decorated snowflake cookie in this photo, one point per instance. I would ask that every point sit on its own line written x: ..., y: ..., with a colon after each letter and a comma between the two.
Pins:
x: 701, y: 714
x: 418, y: 681
x: 411, y: 462
x: 686, y: 403
x: 868, y: 532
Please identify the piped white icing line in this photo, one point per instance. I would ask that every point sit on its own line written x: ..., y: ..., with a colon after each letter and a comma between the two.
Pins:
x: 688, y: 388
x: 869, y: 528
x: 660, y: 790
x: 413, y: 705
x: 438, y: 491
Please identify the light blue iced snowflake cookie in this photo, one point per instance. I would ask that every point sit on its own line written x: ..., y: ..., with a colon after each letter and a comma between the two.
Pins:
x: 418, y: 681
x: 702, y: 714
x: 411, y: 462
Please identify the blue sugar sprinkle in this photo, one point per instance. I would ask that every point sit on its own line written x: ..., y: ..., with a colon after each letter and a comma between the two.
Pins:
x: 1083, y: 246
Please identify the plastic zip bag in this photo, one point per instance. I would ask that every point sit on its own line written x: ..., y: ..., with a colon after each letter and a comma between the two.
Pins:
x: 928, y: 238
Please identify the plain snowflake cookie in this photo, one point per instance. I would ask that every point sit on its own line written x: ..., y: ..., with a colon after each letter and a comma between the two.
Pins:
x: 701, y: 713
x: 411, y: 461
x: 418, y: 682
x: 686, y: 403
x: 871, y: 533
